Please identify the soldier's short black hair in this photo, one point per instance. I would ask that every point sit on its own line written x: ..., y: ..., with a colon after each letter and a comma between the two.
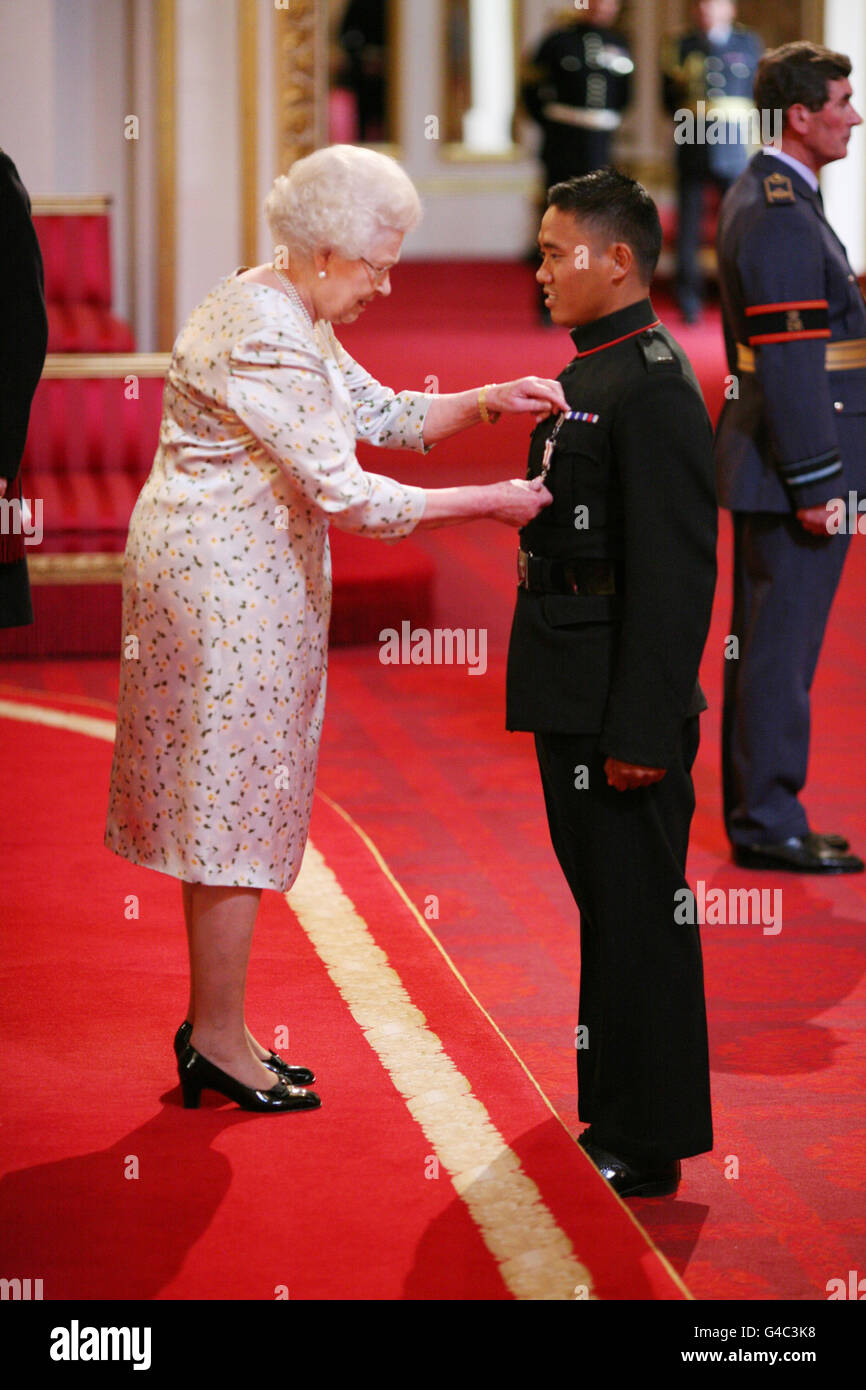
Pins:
x: 618, y: 207
x: 798, y: 73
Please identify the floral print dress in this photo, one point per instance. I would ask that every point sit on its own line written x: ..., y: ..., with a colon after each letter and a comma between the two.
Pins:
x: 227, y: 585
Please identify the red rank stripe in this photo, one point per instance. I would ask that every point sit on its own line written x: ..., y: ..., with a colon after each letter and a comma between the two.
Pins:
x: 789, y: 304
x: 789, y: 337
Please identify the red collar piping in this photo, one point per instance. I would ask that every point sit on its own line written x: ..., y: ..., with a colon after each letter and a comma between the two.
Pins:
x: 656, y: 323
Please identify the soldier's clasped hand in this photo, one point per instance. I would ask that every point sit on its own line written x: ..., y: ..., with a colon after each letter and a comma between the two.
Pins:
x: 627, y: 776
x: 814, y: 519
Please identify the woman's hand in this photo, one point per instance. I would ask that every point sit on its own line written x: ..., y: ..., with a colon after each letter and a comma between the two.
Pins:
x: 517, y: 502
x: 531, y: 394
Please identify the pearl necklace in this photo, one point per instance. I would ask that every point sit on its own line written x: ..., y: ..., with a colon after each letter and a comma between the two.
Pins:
x: 292, y: 293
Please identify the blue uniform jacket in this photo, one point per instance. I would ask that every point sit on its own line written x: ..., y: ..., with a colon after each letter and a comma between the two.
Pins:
x: 794, y: 434
x: 697, y: 69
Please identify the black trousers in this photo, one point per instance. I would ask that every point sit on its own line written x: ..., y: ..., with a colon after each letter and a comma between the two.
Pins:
x: 784, y: 583
x: 16, y: 608
x: 643, y: 1076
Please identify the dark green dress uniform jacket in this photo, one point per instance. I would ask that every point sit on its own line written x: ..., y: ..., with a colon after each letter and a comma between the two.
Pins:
x: 23, y: 340
x: 636, y: 488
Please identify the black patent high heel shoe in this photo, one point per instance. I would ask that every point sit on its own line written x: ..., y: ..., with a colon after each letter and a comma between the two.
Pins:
x: 296, y: 1076
x: 197, y: 1074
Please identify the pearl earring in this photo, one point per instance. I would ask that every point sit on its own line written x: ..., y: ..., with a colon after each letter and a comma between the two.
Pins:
x: 322, y: 274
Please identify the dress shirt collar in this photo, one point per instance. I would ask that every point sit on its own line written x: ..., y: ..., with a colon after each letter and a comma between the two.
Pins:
x: 613, y: 328
x: 797, y: 165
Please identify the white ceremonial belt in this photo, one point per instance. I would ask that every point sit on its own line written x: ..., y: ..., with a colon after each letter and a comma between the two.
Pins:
x: 721, y: 106
x: 601, y: 119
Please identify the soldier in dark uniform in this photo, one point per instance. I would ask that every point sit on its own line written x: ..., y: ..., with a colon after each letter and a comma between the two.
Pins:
x: 23, y: 340
x: 789, y: 442
x: 707, y: 72
x: 616, y: 583
x: 576, y: 86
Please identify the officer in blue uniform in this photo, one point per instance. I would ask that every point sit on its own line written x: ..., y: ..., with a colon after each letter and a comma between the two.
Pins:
x: 708, y: 73
x: 576, y: 86
x: 791, y: 440
x: 616, y: 581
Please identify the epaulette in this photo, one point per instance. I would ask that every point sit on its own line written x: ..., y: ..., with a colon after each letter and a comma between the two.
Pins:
x: 656, y: 351
x: 779, y: 189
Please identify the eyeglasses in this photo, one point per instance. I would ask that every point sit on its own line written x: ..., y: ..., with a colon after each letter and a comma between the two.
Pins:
x: 378, y: 273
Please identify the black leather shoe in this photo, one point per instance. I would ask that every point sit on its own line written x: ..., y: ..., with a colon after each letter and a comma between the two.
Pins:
x: 629, y: 1178
x: 832, y: 841
x: 801, y: 854
x: 197, y: 1074
x: 296, y: 1076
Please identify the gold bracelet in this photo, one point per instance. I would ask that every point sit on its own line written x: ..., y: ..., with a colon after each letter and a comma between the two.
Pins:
x: 488, y: 417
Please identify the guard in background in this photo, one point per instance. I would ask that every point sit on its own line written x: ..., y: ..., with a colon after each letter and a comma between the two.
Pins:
x: 576, y: 87
x: 23, y: 340
x: 709, y: 72
x: 616, y: 583
x: 791, y: 441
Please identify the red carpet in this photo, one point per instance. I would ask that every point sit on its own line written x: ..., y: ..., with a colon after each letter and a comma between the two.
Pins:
x: 419, y: 757
x: 395, y: 1189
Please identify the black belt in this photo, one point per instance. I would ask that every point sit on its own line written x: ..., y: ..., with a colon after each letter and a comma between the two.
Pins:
x: 542, y: 576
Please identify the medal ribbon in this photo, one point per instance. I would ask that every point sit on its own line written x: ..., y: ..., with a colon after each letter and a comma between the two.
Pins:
x: 547, y: 457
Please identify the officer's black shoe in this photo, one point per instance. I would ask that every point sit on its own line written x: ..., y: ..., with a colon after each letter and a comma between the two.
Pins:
x: 629, y: 1178
x: 832, y: 841
x: 801, y: 854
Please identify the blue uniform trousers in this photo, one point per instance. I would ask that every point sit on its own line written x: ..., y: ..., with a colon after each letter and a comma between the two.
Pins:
x: 784, y: 583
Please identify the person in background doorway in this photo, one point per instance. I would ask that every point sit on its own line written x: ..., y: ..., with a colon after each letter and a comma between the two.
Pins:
x: 709, y: 72
x: 576, y: 85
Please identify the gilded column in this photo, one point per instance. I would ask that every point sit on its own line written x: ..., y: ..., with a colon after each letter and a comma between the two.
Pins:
x: 301, y: 85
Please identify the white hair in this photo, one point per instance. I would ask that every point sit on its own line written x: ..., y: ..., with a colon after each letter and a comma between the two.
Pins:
x: 341, y: 198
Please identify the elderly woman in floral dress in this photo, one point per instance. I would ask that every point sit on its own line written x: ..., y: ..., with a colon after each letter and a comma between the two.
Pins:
x: 227, y: 583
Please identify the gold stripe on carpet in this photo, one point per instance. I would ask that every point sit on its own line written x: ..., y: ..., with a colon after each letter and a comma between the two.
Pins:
x: 535, y: 1257
x: 58, y: 719
x: 98, y: 568
x: 425, y: 927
